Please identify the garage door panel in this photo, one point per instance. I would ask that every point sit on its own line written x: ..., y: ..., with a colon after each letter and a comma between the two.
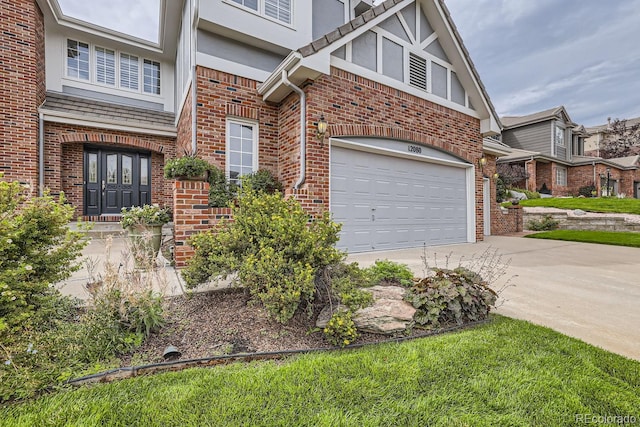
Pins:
x: 389, y: 202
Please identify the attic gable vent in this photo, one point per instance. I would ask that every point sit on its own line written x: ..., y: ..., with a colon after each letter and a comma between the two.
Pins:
x: 417, y: 72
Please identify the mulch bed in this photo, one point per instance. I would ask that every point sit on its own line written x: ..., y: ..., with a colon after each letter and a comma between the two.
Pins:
x: 226, y: 322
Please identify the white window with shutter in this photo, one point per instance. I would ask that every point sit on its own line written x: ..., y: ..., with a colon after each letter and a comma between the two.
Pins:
x: 105, y: 66
x: 129, y: 71
x: 77, y: 59
x: 278, y: 10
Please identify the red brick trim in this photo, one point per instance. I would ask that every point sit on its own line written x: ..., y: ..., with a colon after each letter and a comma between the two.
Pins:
x: 242, y: 111
x: 97, y: 137
x: 338, y: 130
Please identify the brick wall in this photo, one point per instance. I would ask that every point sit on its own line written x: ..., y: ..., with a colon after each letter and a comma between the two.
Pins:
x: 64, y: 146
x: 185, y: 125
x: 507, y: 220
x: 355, y: 106
x: 221, y: 95
x: 21, y: 87
x: 192, y: 215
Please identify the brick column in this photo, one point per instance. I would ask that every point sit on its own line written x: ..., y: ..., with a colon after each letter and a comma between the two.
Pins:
x: 531, y: 170
x: 191, y: 214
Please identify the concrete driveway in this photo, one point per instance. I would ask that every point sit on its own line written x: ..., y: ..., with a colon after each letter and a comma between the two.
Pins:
x: 587, y: 291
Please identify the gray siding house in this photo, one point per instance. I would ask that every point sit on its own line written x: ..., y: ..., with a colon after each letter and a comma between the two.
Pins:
x: 551, y: 148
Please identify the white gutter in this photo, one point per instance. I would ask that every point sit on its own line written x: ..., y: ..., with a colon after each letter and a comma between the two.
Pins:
x: 287, y: 64
x: 303, y: 129
x: 194, y: 86
x: 40, y: 154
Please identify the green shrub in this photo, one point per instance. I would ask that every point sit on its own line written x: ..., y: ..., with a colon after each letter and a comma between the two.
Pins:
x: 341, y: 330
x: 389, y: 272
x: 451, y: 296
x: 262, y: 181
x: 272, y: 246
x: 547, y: 223
x: 502, y: 191
x: 221, y: 191
x: 185, y: 167
x: 37, y: 249
x: 587, y: 191
x: 345, y: 285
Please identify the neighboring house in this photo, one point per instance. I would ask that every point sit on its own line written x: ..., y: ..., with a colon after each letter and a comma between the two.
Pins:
x: 95, y: 113
x: 551, y: 148
x: 597, y: 135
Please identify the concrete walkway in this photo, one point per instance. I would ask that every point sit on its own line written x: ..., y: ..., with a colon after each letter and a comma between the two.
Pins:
x: 587, y: 291
x: 591, y: 292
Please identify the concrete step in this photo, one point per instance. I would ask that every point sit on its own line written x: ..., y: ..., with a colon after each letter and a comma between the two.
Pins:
x: 100, y: 230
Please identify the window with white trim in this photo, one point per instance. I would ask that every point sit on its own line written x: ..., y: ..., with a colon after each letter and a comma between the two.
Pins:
x: 151, y: 75
x: 109, y: 67
x: 280, y: 10
x: 561, y: 176
x: 129, y: 70
x: 242, y: 149
x: 559, y: 136
x: 105, y: 66
x: 78, y: 59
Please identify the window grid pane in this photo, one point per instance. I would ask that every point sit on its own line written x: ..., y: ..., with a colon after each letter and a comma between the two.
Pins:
x: 77, y: 59
x: 241, y: 155
x: 129, y: 71
x: 105, y: 66
x: 151, y: 77
x: 278, y: 9
x: 251, y: 4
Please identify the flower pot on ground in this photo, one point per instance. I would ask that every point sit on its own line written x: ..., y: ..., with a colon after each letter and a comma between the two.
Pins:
x: 187, y: 167
x: 144, y: 226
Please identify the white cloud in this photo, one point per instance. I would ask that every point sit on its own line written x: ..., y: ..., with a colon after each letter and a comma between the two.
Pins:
x: 137, y: 18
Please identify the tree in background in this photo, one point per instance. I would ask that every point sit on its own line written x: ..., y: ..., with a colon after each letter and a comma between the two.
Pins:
x: 621, y: 139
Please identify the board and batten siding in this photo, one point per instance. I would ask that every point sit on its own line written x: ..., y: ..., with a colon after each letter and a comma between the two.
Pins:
x: 535, y: 137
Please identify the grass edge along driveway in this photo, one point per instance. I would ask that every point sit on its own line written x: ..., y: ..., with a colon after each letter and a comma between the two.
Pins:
x: 617, y: 238
x: 507, y: 372
x: 601, y: 204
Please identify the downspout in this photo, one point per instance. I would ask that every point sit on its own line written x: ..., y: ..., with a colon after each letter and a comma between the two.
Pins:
x: 303, y: 129
x: 194, y: 89
x: 41, y: 154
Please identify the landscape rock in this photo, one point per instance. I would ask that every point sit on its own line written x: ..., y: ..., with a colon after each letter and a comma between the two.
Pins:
x: 518, y: 195
x: 389, y: 314
x: 579, y: 212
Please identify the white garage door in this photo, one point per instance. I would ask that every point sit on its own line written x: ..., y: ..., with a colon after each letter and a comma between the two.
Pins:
x: 387, y: 202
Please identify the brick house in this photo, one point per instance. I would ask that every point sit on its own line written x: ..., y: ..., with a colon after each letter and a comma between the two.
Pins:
x: 95, y: 113
x: 551, y: 148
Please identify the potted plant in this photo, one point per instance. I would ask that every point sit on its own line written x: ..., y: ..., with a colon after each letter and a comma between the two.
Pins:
x: 187, y: 167
x: 144, y: 226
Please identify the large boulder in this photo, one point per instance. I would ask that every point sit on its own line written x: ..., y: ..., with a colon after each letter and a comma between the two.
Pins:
x: 389, y: 314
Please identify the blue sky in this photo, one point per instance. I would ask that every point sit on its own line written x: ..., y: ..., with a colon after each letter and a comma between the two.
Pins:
x: 531, y: 54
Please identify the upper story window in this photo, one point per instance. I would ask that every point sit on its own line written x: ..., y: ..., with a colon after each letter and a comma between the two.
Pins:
x: 78, y: 59
x: 279, y: 10
x: 108, y: 67
x: 105, y: 66
x: 151, y: 74
x: 559, y: 136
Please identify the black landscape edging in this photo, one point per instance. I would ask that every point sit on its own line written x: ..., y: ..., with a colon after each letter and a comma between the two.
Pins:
x: 178, y: 365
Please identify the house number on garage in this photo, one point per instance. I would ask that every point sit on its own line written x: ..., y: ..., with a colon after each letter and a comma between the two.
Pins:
x: 414, y: 149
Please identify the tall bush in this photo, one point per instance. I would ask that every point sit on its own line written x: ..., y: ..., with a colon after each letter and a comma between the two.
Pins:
x: 37, y: 249
x: 273, y: 246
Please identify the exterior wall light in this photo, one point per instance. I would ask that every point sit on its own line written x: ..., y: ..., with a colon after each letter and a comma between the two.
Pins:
x: 482, y: 161
x: 321, y: 129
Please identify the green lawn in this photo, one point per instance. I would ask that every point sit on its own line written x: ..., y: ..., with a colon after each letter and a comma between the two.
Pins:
x: 603, y: 237
x: 607, y: 204
x: 508, y: 372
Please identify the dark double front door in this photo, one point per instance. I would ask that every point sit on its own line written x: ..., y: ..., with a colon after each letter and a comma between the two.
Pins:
x: 115, y: 180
